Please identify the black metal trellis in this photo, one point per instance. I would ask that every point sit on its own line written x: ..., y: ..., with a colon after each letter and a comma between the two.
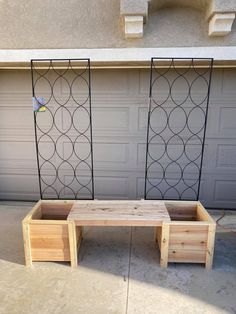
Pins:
x: 177, y: 117
x: 63, y: 128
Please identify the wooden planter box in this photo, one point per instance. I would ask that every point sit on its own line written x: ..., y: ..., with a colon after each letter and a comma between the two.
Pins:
x: 189, y: 237
x: 47, y: 233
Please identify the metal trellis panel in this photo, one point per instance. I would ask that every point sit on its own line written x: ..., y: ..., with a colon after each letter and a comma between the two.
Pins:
x: 63, y: 127
x: 176, y: 130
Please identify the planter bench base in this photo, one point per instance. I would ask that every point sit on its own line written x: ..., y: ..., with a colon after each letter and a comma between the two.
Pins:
x: 184, y: 231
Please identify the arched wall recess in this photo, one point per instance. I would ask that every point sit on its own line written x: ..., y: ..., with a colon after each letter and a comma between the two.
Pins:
x: 220, y: 14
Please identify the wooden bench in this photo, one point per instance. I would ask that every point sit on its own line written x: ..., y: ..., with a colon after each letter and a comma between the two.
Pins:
x: 184, y: 230
x: 114, y: 213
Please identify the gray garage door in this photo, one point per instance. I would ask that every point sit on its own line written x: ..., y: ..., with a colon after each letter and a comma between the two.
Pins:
x: 120, y: 102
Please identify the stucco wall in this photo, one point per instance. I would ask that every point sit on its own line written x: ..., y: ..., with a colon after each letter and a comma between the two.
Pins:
x: 97, y: 23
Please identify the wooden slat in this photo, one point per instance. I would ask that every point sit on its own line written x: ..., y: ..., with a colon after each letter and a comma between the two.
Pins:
x: 56, y: 202
x: 210, y: 246
x: 181, y: 210
x: 188, y: 229
x: 27, y: 245
x: 202, y: 214
x: 48, y: 222
x: 187, y: 256
x: 32, y: 212
x: 187, y: 244
x: 37, y: 214
x: 117, y: 223
x: 188, y: 237
x: 51, y: 254
x: 118, y: 213
x: 158, y: 236
x: 79, y: 237
x: 73, y: 244
x: 79, y: 234
x: 54, y: 216
x: 56, y: 211
x: 189, y: 223
x: 49, y: 230
x: 164, y: 245
x: 50, y: 243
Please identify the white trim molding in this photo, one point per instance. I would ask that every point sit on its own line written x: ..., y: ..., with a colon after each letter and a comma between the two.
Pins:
x: 118, y: 57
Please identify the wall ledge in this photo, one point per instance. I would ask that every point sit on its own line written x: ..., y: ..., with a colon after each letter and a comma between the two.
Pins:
x: 118, y: 57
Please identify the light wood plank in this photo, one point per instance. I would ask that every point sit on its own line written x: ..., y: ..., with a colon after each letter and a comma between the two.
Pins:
x: 32, y: 212
x: 164, y: 245
x: 158, y: 236
x: 189, y: 238
x: 56, y: 211
x: 181, y: 211
x: 189, y: 223
x: 27, y: 245
x: 188, y: 229
x: 187, y: 256
x: 49, y: 254
x: 202, y: 214
x: 50, y: 243
x: 210, y: 246
x: 73, y: 244
x: 116, y: 213
x: 48, y: 230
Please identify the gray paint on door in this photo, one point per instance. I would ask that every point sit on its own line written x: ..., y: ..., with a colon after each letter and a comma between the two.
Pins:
x: 120, y: 106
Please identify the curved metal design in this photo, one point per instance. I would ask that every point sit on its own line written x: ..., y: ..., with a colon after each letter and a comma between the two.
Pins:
x: 177, y: 118
x: 63, y: 128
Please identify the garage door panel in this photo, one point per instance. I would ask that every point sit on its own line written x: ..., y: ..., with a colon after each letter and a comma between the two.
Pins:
x: 216, y: 83
x: 228, y: 81
x: 119, y: 112
x: 106, y: 119
x: 113, y: 186
x: 19, y: 186
x: 15, y: 118
x: 142, y: 118
x: 220, y: 157
x: 117, y: 82
x: 226, y: 157
x: 221, y: 122
x: 225, y: 190
x: 18, y: 155
x: 15, y: 82
x: 111, y: 153
x: 218, y: 192
x: 227, y: 120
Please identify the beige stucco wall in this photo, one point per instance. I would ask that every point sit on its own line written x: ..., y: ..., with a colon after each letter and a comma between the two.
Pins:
x: 27, y: 24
